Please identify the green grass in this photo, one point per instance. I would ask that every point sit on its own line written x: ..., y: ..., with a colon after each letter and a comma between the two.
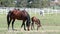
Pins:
x: 49, y: 22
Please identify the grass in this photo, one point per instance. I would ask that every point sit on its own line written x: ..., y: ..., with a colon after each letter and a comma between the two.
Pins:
x: 49, y: 22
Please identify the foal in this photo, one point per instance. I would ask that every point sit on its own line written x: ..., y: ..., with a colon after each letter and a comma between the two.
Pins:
x: 36, y: 21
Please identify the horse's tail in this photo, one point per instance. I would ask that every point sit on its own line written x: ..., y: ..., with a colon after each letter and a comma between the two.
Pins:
x: 8, y: 17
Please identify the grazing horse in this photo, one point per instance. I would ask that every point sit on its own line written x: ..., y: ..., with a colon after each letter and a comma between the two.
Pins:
x: 36, y: 21
x: 19, y: 15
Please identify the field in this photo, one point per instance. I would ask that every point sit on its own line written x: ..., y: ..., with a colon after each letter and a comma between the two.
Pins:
x: 50, y: 24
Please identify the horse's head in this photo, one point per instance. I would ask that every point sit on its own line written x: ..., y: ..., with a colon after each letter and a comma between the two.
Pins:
x: 28, y: 21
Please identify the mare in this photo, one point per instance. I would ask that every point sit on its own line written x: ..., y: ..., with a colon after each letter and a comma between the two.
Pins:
x: 19, y: 15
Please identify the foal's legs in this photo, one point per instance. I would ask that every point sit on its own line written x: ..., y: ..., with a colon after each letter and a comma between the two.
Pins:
x: 37, y: 27
x: 13, y: 24
x: 32, y: 25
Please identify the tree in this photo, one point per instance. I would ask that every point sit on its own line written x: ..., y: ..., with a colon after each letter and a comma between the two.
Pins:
x: 29, y: 3
x: 41, y: 3
x: 26, y: 3
x: 45, y: 3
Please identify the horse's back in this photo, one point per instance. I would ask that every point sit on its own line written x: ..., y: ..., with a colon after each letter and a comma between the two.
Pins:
x: 34, y: 18
x: 20, y: 15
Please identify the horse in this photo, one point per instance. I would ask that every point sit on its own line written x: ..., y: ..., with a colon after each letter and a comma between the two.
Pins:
x: 36, y: 21
x: 19, y: 15
x: 42, y: 13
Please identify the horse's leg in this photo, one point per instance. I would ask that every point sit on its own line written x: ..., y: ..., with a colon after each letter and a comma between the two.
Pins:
x: 37, y: 27
x: 13, y: 24
x: 32, y: 25
x: 8, y: 20
x: 24, y: 25
x: 28, y: 25
x: 9, y: 23
x: 28, y: 28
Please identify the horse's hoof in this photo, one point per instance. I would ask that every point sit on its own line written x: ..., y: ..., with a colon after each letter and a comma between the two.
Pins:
x: 28, y: 30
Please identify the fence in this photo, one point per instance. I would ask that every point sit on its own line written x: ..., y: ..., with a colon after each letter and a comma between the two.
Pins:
x: 31, y: 10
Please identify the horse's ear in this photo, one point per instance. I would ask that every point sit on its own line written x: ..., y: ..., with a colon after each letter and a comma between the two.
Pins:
x: 18, y: 9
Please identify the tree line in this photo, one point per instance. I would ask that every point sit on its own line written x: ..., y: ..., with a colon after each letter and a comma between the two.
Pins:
x: 25, y: 3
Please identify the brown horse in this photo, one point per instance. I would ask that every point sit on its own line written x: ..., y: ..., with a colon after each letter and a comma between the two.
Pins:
x: 36, y: 21
x: 19, y: 15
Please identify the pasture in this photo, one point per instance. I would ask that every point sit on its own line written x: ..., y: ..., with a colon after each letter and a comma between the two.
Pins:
x: 50, y: 24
